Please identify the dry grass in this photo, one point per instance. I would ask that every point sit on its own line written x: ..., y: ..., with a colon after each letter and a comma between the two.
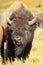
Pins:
x: 30, y: 3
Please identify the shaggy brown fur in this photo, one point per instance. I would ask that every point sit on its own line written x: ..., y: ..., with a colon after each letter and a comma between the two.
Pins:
x: 20, y: 27
x: 4, y: 35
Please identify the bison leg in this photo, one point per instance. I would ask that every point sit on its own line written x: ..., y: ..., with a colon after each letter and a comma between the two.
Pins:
x: 2, y: 52
x: 5, y: 51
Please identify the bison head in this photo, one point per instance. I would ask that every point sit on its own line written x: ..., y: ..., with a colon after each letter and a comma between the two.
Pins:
x: 21, y: 34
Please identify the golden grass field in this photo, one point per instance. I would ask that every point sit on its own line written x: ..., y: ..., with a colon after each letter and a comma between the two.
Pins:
x: 36, y: 53
x: 30, y: 3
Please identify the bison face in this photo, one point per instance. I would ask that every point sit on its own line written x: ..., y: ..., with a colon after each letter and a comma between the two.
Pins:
x: 20, y: 36
x: 20, y: 30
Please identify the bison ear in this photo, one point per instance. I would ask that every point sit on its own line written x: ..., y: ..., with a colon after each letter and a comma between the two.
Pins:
x: 9, y: 21
x: 32, y: 21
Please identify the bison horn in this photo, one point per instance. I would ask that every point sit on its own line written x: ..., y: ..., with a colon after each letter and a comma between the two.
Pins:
x: 9, y: 21
x: 32, y: 22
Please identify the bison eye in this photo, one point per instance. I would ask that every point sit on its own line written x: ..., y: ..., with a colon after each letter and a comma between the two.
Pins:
x: 11, y: 30
x: 11, y: 18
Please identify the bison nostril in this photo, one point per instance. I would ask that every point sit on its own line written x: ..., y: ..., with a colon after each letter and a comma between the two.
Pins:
x: 18, y: 40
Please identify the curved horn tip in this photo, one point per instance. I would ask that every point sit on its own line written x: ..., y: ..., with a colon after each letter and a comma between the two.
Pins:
x: 9, y: 21
x: 32, y: 22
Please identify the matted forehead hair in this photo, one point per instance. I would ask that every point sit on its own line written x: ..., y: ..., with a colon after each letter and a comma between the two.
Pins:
x: 20, y: 17
x: 20, y: 12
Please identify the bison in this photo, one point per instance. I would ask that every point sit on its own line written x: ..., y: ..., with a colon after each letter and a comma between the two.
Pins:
x: 4, y: 36
x: 19, y: 32
x: 9, y: 50
x: 21, y: 27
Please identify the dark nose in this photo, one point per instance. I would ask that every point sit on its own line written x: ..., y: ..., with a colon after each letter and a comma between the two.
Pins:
x: 18, y: 40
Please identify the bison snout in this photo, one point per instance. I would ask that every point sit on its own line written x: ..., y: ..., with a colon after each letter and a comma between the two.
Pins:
x: 18, y: 40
